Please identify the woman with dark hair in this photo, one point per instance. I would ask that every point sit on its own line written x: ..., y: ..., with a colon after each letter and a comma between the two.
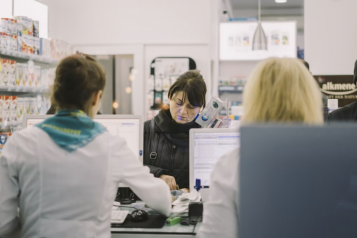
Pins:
x: 64, y: 173
x: 166, y: 144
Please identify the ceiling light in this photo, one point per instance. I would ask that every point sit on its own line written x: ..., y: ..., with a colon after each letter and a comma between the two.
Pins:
x: 280, y: 1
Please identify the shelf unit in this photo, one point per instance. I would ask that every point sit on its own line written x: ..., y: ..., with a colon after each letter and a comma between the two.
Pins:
x: 23, y: 91
x: 24, y: 56
x: 230, y: 89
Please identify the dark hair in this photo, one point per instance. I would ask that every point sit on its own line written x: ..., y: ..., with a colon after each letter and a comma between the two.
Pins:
x: 193, y: 85
x: 78, y: 77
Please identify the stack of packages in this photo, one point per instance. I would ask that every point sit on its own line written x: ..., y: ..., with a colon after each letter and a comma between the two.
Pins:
x: 15, y: 74
x: 13, y: 108
x: 22, y: 34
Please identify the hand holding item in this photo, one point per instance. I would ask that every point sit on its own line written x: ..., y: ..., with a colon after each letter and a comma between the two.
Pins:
x: 170, y: 181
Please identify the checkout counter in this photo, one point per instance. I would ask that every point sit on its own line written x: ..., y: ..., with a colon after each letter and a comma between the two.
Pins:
x: 177, y: 231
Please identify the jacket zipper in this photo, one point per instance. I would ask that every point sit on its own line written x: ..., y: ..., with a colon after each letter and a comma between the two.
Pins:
x: 172, y: 159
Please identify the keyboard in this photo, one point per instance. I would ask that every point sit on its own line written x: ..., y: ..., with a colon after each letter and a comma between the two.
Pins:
x: 118, y: 216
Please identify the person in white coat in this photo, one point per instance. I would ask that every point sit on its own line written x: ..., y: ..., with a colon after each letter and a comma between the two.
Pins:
x: 63, y: 174
x: 280, y: 90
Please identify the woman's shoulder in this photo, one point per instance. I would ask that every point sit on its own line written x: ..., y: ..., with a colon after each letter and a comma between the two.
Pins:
x: 147, y: 126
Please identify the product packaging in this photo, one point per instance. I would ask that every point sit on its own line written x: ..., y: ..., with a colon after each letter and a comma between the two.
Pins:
x: 45, y: 47
x: 38, y: 107
x: 26, y: 110
x: 27, y: 27
x: 12, y: 73
x: 19, y: 73
x: 21, y: 21
x: 13, y: 110
x: 4, y: 136
x: 27, y: 44
x: 13, y: 43
x: 36, y: 46
x: 5, y: 25
x: 8, y: 42
x: 32, y: 106
x: 24, y: 81
x: 37, y: 82
x: 36, y: 29
x: 13, y: 27
x: 19, y: 29
x: 6, y: 110
x: 5, y: 72
x: 19, y: 43
x: 3, y: 40
x: 210, y: 112
x: 30, y: 73
x: 20, y: 109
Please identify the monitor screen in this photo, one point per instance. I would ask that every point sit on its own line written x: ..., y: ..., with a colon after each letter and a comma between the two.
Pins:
x: 208, y: 148
x: 127, y: 128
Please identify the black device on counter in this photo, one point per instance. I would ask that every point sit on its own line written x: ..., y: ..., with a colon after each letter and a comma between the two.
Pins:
x: 139, y: 215
x: 126, y: 196
x: 195, y: 212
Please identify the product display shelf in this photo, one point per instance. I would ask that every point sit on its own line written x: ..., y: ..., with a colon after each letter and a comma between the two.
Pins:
x: 231, y: 89
x: 9, y: 126
x: 20, y: 55
x: 20, y: 90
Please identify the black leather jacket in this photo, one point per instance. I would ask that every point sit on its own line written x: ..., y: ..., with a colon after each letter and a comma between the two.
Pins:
x: 344, y: 114
x: 170, y: 141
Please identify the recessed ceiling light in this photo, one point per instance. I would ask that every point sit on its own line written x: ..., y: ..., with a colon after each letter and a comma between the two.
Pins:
x: 280, y: 1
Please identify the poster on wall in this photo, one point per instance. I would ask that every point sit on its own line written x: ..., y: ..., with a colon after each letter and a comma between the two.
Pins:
x: 166, y: 67
x: 339, y: 87
x: 236, y: 40
x: 163, y: 73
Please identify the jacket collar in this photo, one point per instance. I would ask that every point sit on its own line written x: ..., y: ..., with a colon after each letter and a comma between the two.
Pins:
x: 168, y: 126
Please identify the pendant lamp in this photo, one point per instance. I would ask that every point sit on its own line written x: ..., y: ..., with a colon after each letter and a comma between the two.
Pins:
x: 259, y: 39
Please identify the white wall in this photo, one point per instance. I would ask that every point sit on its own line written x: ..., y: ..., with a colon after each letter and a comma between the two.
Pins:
x: 158, y: 27
x: 331, y: 36
x: 131, y: 21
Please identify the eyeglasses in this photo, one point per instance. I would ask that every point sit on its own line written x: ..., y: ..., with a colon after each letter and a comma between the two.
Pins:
x: 85, y: 56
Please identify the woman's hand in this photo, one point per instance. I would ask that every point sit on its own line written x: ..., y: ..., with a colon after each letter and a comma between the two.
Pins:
x: 170, y: 181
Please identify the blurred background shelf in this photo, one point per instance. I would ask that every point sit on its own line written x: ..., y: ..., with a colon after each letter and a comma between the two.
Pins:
x: 16, y: 55
x: 19, y: 90
x: 230, y: 89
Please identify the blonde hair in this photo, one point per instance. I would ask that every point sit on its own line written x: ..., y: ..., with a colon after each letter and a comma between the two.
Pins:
x: 282, y: 90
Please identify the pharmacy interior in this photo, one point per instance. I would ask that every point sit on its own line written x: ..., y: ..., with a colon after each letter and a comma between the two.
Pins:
x: 145, y: 45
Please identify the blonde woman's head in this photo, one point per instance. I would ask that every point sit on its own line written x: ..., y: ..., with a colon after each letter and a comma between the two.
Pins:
x: 282, y: 90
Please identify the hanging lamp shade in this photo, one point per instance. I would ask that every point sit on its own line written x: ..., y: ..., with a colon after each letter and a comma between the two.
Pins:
x: 260, y: 39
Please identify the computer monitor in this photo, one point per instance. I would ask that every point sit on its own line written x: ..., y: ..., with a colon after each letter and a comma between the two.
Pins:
x: 298, y: 181
x: 130, y: 127
x: 206, y: 147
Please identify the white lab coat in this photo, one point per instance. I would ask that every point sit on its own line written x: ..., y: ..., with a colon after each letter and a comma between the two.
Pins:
x: 220, y: 213
x: 69, y: 194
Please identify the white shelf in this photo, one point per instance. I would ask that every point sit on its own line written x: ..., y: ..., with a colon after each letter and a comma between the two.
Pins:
x: 20, y: 89
x: 9, y: 126
x: 20, y: 55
